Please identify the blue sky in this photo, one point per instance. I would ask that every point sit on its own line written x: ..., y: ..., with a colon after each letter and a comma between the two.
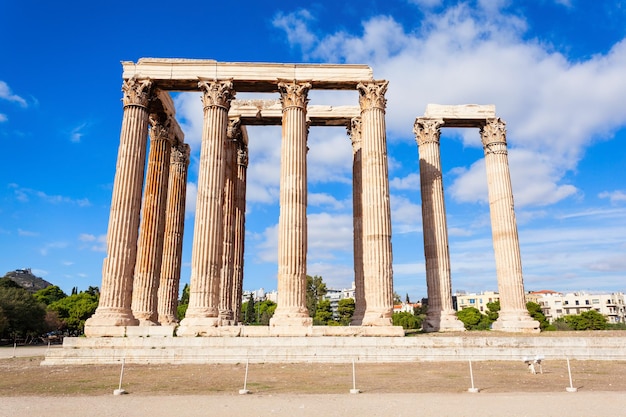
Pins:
x: 553, y: 68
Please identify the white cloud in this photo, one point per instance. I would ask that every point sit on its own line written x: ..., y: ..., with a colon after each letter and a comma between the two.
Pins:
x: 7, y: 94
x: 52, y: 245
x: 22, y: 232
x: 410, y: 182
x: 326, y: 200
x: 554, y: 108
x: 406, y: 215
x: 190, y: 198
x: 3, y: 118
x: 614, y: 196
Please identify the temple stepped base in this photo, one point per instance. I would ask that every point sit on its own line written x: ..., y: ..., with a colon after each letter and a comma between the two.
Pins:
x: 331, y: 349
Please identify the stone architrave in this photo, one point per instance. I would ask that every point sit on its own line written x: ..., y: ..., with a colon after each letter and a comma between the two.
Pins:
x: 230, y: 178
x: 513, y: 315
x: 441, y: 314
x: 114, y: 308
x: 152, y: 226
x: 240, y: 224
x: 292, y: 225
x: 357, y: 221
x: 173, y: 236
x: 377, y: 256
x: 206, y: 258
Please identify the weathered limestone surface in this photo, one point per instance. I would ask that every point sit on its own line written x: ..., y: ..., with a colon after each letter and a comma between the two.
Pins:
x: 513, y: 316
x: 357, y: 221
x: 377, y: 257
x: 206, y: 258
x: 114, y: 308
x: 270, y: 112
x: 292, y: 224
x: 173, y: 235
x: 240, y: 220
x: 330, y: 349
x: 466, y: 115
x: 182, y: 74
x: 441, y: 314
x: 230, y: 179
x: 152, y: 226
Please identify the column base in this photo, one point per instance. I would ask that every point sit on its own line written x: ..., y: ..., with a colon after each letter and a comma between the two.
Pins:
x: 442, y: 321
x: 516, y: 322
x: 198, y: 326
x: 291, y: 317
x: 168, y: 320
x: 377, y: 318
x: 109, y: 322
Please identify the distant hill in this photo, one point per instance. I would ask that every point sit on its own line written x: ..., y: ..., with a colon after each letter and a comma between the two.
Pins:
x: 25, y: 279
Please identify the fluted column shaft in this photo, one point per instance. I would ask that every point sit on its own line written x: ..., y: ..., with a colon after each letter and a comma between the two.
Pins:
x: 377, y: 257
x: 513, y: 313
x: 292, y: 223
x: 230, y: 177
x: 435, y: 229
x: 173, y: 235
x: 114, y: 308
x: 240, y: 226
x: 152, y: 226
x: 357, y: 221
x: 206, y: 257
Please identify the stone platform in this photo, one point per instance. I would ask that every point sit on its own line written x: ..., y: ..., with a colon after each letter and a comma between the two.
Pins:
x: 332, y: 349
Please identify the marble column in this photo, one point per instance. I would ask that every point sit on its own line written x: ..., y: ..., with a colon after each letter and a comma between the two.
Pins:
x: 441, y: 314
x: 357, y: 221
x: 152, y: 226
x: 377, y: 256
x: 292, y: 223
x: 173, y: 236
x: 513, y: 316
x: 230, y: 178
x: 206, y: 257
x: 240, y: 225
x: 114, y: 308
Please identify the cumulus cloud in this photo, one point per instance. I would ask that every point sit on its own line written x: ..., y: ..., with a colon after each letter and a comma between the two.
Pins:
x: 554, y: 107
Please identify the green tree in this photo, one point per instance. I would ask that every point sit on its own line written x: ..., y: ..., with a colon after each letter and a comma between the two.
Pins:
x: 323, y: 314
x: 315, y: 292
x: 250, y: 316
x: 589, y: 320
x: 406, y: 320
x: 345, y: 310
x: 265, y: 310
x: 536, y: 313
x: 24, y: 316
x: 396, y: 298
x: 49, y: 295
x: 183, y: 303
x: 75, y: 309
x: 473, y: 319
x: 6, y: 282
x: 493, y: 310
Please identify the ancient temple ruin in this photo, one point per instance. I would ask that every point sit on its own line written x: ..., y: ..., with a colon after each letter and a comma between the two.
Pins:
x: 141, y: 273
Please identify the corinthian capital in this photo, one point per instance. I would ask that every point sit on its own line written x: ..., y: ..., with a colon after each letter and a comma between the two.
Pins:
x: 180, y: 154
x: 294, y: 94
x: 138, y: 92
x: 354, y: 130
x: 427, y: 130
x: 160, y: 130
x: 372, y: 94
x: 217, y: 93
x: 234, y: 128
x: 242, y: 155
x: 493, y: 132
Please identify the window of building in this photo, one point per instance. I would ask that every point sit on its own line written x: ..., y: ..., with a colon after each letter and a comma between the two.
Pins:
x: 565, y: 302
x: 577, y: 302
x: 559, y: 311
x: 596, y: 301
x: 586, y: 302
x: 472, y: 301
